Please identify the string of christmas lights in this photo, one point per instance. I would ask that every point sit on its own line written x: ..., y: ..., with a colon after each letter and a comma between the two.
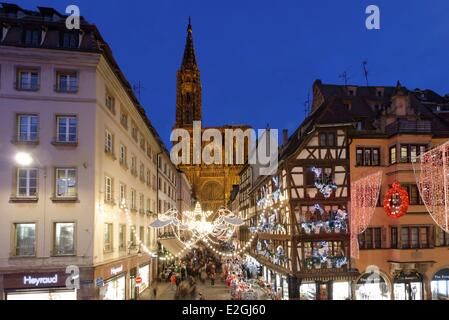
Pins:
x: 364, y: 197
x: 432, y: 176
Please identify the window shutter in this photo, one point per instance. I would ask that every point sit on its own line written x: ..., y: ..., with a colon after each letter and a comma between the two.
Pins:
x: 383, y: 235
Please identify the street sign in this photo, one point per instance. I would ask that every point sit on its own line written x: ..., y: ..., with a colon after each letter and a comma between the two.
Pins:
x: 99, y: 282
x: 139, y: 280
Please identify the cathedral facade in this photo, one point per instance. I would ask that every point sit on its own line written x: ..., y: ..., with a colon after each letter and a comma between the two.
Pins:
x: 212, y: 184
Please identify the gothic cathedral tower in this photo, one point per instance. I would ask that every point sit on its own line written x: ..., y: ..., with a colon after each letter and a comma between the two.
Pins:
x: 211, y: 184
x: 188, y: 88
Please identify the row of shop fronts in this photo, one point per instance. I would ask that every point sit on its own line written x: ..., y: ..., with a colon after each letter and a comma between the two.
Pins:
x: 112, y: 281
x: 368, y: 286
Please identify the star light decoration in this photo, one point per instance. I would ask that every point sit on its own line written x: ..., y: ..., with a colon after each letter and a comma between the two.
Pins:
x: 432, y: 176
x: 197, y: 223
x: 364, y: 197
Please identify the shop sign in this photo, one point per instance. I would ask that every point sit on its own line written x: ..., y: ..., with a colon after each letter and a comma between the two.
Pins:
x: 115, y: 271
x: 406, y: 277
x: 441, y: 275
x: 34, y: 281
x: 371, y: 278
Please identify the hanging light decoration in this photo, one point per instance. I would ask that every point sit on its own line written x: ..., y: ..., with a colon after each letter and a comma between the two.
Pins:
x: 432, y: 176
x: 396, y: 201
x: 364, y: 197
x: 323, y: 182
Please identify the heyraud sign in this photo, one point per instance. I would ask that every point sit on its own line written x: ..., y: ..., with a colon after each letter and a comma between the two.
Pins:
x: 41, y: 281
x: 31, y: 280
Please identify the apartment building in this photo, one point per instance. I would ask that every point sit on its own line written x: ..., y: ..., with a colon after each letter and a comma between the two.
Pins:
x: 79, y: 165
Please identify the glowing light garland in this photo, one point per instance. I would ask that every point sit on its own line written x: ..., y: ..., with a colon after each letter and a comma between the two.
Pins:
x: 364, y: 197
x: 324, y: 184
x: 432, y: 176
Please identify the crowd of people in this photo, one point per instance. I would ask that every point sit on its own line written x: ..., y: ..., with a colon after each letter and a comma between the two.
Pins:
x: 198, y: 265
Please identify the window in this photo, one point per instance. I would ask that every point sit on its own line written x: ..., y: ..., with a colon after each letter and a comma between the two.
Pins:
x: 148, y: 178
x: 109, y: 142
x: 410, y: 152
x: 122, y: 193
x: 149, y: 205
x: 122, y: 237
x: 371, y: 239
x: 28, y: 80
x: 24, y: 239
x: 27, y: 128
x: 159, y: 205
x: 107, y: 237
x: 368, y: 156
x: 66, y: 186
x: 134, y: 131
x: 393, y: 155
x: 66, y: 81
x: 123, y: 155
x: 149, y: 151
x: 64, y: 239
x: 32, y: 37
x: 415, y: 237
x: 154, y: 182
x: 442, y: 238
x: 110, y: 102
x: 394, y: 238
x: 142, y: 171
x: 142, y: 143
x: 133, y: 199
x: 142, y: 234
x: 141, y: 203
x: 27, y: 181
x: 108, y: 195
x: 159, y: 183
x: 133, y: 236
x: 413, y: 192
x: 328, y: 139
x: 149, y: 240
x: 67, y: 129
x: 124, y: 120
x: 134, y: 165
x: 70, y: 40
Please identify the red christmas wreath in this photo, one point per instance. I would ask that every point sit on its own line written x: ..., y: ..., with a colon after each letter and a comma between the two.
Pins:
x: 396, y: 201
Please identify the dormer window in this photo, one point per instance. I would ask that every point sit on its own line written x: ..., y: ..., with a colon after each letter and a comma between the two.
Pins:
x: 359, y: 126
x: 351, y: 92
x: 379, y: 93
x: 70, y: 40
x: 32, y: 37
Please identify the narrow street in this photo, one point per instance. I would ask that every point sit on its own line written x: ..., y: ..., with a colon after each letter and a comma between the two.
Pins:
x: 218, y: 292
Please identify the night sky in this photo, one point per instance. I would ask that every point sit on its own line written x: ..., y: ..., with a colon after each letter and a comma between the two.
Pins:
x: 258, y: 59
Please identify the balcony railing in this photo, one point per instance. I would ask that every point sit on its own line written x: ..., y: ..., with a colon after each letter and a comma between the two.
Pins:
x: 407, y: 126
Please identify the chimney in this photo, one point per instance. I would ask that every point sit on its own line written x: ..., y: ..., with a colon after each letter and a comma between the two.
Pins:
x: 284, y: 137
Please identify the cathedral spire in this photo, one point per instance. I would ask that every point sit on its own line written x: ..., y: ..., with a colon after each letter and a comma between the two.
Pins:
x: 189, y: 60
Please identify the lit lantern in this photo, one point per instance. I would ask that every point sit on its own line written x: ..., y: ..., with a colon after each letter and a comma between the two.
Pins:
x: 396, y: 201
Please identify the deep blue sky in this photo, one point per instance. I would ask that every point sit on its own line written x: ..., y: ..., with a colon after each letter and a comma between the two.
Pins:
x: 259, y: 58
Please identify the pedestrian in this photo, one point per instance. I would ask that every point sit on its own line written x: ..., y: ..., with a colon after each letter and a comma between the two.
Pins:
x: 201, y: 296
x: 212, y: 279
x: 173, y: 282
x: 155, y: 291
x: 178, y: 281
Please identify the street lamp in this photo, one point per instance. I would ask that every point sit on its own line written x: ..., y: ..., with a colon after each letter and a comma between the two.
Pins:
x: 23, y: 159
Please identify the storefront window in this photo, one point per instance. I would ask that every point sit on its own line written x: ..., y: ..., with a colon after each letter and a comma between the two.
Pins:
x: 64, y: 295
x: 372, y: 287
x: 440, y: 285
x: 144, y: 273
x: 307, y: 291
x: 341, y: 291
x: 115, y: 289
x: 408, y: 287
